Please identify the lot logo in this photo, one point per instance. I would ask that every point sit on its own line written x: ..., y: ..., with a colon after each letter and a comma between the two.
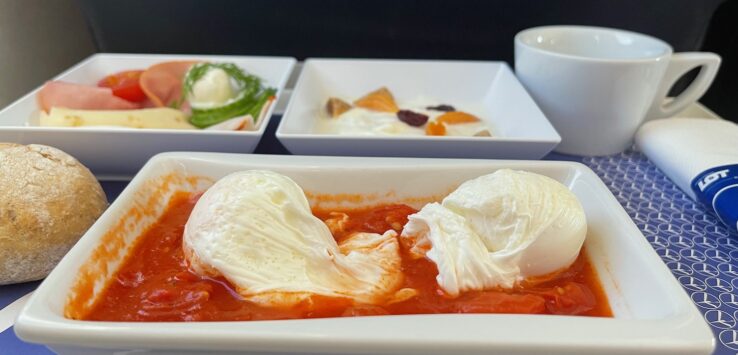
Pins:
x: 710, y: 178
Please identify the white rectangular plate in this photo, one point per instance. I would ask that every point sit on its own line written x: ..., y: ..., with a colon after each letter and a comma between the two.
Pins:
x: 653, y: 314
x: 489, y: 89
x: 119, y: 153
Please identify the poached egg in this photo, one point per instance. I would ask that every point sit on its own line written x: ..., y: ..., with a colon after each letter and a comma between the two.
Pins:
x: 497, y: 230
x: 255, y: 229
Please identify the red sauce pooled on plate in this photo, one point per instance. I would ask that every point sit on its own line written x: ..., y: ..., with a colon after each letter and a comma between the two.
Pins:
x: 154, y: 283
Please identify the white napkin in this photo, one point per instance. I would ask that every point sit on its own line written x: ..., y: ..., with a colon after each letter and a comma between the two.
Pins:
x: 684, y: 147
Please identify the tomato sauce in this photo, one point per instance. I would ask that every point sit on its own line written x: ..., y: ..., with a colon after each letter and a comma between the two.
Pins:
x: 155, y: 284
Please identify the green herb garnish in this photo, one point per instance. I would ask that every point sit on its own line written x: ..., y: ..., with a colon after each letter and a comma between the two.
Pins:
x: 250, y: 98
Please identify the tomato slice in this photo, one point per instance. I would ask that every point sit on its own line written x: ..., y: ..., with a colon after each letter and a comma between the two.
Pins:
x: 125, y: 85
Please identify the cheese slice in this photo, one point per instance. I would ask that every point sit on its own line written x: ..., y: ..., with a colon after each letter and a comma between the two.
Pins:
x: 162, y: 117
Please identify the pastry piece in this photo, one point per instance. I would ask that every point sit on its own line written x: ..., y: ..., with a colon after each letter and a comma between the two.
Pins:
x: 378, y: 100
x: 336, y: 107
x: 48, y: 200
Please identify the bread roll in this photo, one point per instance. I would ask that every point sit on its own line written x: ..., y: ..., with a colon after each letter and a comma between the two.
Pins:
x: 47, y: 201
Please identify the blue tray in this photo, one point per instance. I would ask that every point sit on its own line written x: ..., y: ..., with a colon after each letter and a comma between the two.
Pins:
x: 701, y: 253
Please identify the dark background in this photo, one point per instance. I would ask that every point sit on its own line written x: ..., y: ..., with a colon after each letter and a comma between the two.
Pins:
x: 475, y: 29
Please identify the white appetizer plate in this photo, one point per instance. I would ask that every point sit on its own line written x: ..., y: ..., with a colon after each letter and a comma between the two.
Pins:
x: 489, y: 90
x: 121, y: 152
x: 653, y: 314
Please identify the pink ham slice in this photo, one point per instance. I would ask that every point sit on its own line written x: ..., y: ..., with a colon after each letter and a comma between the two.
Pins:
x: 80, y: 97
x: 162, y: 82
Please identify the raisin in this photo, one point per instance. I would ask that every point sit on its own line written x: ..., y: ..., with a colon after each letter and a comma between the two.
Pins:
x: 443, y: 108
x: 412, y: 118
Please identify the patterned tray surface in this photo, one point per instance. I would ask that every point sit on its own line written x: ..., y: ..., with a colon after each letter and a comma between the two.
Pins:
x: 700, y: 251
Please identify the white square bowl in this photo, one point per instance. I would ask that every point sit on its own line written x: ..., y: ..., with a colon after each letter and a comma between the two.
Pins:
x: 653, y: 314
x: 489, y: 89
x: 118, y: 153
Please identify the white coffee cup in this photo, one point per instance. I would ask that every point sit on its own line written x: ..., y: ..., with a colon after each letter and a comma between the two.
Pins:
x: 597, y: 85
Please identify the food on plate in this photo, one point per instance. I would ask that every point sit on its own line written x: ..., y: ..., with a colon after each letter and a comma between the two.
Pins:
x: 161, y: 117
x: 250, y: 248
x: 125, y: 85
x: 256, y: 230
x: 215, y: 96
x: 162, y: 82
x: 336, y: 107
x: 455, y: 123
x: 379, y: 100
x: 220, y: 91
x: 498, y: 230
x: 47, y: 201
x: 377, y: 114
x: 81, y: 97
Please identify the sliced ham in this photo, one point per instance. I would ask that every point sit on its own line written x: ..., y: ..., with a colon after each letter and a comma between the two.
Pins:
x: 80, y: 97
x: 162, y: 82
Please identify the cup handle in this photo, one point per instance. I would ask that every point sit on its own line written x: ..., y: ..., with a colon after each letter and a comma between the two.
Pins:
x: 680, y: 64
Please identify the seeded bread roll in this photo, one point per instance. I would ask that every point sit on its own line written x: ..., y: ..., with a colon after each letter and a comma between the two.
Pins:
x: 47, y: 201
